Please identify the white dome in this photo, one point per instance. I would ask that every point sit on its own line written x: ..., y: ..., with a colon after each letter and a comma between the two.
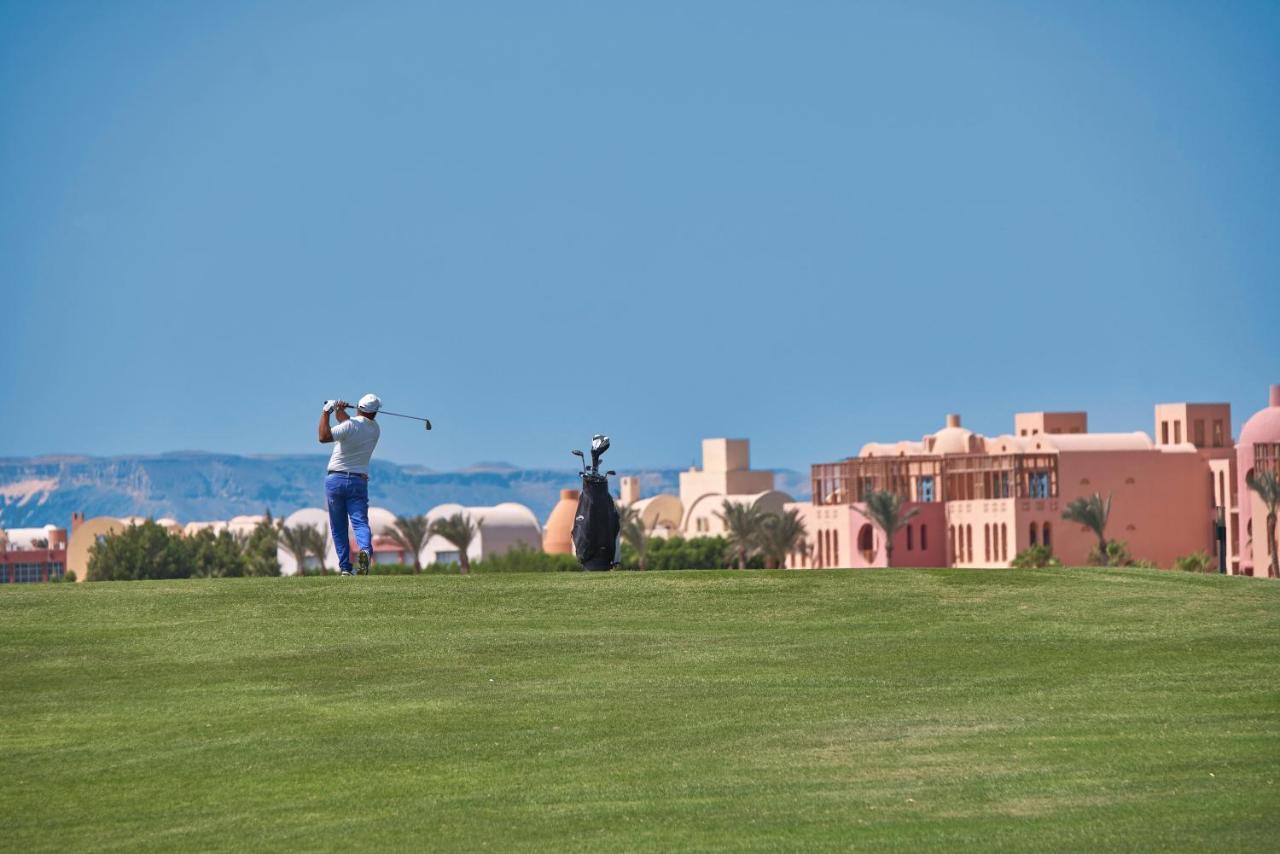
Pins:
x: 381, y: 520
x: 308, y: 516
x: 501, y: 529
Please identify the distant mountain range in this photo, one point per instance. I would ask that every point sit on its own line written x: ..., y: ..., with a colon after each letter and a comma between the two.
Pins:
x: 194, y: 486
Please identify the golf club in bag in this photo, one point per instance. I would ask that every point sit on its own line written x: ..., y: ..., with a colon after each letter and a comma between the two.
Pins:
x: 596, y: 528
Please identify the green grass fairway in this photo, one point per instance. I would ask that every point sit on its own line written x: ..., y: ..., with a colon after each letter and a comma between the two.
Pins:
x: 894, y: 710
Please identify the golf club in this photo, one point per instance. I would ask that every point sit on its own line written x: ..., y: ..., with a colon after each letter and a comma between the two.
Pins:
x: 425, y: 421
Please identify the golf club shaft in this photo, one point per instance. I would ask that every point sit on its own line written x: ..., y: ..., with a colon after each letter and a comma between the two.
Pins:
x: 396, y: 414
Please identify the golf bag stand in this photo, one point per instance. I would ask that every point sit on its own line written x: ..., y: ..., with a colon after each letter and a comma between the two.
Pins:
x: 596, y: 528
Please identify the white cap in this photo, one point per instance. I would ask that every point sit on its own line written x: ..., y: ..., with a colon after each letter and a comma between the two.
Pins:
x: 369, y: 403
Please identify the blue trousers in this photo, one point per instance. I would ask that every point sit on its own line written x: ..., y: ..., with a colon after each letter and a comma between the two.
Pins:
x: 348, y: 497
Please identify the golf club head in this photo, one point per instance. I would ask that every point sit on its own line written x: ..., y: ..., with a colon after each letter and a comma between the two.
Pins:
x: 599, y: 444
x: 426, y: 423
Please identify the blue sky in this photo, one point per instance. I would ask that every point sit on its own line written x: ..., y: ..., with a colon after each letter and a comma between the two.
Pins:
x: 813, y: 224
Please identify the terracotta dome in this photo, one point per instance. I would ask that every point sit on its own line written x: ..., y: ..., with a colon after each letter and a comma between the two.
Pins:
x: 1264, y: 426
x: 952, y: 440
x: 557, y: 534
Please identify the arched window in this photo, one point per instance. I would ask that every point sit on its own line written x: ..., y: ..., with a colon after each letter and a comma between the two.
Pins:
x: 835, y: 548
x: 954, y: 556
x: 924, y: 537
x: 1004, y: 541
x: 968, y: 546
x: 1033, y: 534
x: 910, y: 544
x: 986, y: 543
x: 867, y: 542
x: 1046, y: 535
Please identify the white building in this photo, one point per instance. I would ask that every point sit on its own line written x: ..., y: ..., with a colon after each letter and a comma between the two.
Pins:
x: 501, y: 529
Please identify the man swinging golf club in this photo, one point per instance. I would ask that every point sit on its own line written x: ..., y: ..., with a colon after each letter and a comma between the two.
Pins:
x: 346, y: 486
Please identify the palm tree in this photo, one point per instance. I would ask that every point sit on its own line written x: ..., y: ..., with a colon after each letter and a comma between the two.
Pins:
x: 634, y: 533
x: 1092, y: 512
x: 1267, y: 485
x: 318, y: 544
x: 781, y: 535
x: 743, y: 523
x: 411, y: 533
x: 885, y: 509
x: 298, y: 541
x: 460, y: 531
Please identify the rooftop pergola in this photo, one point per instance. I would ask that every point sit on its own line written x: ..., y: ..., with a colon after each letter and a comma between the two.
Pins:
x: 960, y: 477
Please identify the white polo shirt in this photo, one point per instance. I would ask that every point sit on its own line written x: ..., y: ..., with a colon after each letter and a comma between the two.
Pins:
x: 353, y: 444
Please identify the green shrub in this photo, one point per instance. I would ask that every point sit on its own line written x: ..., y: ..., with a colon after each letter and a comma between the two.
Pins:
x: 1117, y: 554
x: 1198, y: 562
x: 391, y: 569
x: 137, y: 552
x: 679, y: 553
x: 522, y: 558
x: 312, y: 571
x: 1035, y: 557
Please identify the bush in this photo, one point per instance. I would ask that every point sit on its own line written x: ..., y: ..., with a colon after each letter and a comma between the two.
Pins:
x: 391, y: 569
x: 1198, y: 562
x: 313, y: 571
x: 139, y: 551
x: 522, y: 558
x: 1035, y: 557
x: 1117, y: 554
x: 211, y: 555
x: 525, y: 559
x: 679, y: 553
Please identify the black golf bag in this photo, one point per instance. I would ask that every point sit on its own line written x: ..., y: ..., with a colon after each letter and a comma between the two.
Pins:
x: 596, y: 528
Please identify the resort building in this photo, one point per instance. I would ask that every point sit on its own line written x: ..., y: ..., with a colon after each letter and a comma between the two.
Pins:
x: 1257, y: 451
x: 31, y: 555
x: 980, y: 500
x: 725, y: 475
x: 500, y: 529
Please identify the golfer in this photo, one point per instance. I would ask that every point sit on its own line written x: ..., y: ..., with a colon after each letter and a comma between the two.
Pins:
x: 346, y: 486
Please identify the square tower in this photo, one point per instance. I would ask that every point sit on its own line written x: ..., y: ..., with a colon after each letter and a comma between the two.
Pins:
x: 726, y: 470
x: 1205, y: 425
x: 1035, y: 423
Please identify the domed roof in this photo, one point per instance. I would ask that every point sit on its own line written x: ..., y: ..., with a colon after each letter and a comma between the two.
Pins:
x: 952, y: 440
x: 557, y: 534
x: 313, y: 516
x: 1264, y: 425
x: 660, y: 511
x: 381, y: 520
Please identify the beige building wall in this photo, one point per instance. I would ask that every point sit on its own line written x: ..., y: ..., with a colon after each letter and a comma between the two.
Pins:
x: 1036, y: 423
x: 83, y: 537
x: 726, y: 470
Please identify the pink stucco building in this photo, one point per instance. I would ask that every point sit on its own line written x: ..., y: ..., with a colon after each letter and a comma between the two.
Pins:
x: 982, y: 499
x: 1257, y: 451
